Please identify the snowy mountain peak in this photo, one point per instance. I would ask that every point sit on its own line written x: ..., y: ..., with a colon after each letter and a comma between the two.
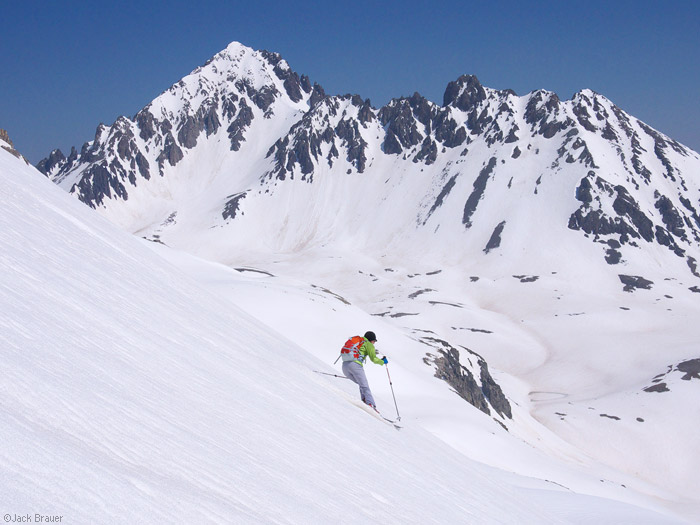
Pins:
x: 225, y: 97
x: 239, y: 129
x: 464, y: 93
x: 234, y: 49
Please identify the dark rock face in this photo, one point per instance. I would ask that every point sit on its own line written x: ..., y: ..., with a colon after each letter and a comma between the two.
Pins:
x: 693, y: 218
x: 527, y: 278
x: 239, y: 124
x: 612, y: 256
x: 187, y: 136
x: 349, y: 133
x: 54, y: 160
x: 584, y: 157
x: 690, y: 368
x: 205, y: 119
x: 99, y: 184
x: 402, y: 129
x: 302, y: 153
x: 263, y: 97
x: 73, y: 156
x: 232, y: 206
x: 448, y: 131
x: 142, y: 164
x: 305, y: 84
x: 427, y: 153
x: 411, y: 121
x: 634, y: 282
x: 484, y: 111
x: 171, y: 153
x: 584, y: 118
x: 91, y: 152
x: 583, y: 192
x: 673, y: 223
x: 228, y: 105
x: 366, y: 112
x: 671, y: 218
x: 449, y: 369
x: 317, y: 95
x: 595, y: 222
x: 292, y: 84
x: 123, y: 142
x: 495, y: 240
x: 302, y: 146
x: 477, y: 194
x: 464, y: 93
x: 512, y: 137
x: 9, y: 146
x: 493, y: 392
x: 625, y: 205
x: 391, y: 145
x: 629, y: 221
x: 541, y: 112
x: 146, y: 123
x: 659, y: 387
x: 289, y: 154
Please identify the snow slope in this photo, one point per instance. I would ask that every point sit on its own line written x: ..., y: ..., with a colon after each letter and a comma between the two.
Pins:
x: 132, y: 394
x: 579, y: 396
x: 556, y: 241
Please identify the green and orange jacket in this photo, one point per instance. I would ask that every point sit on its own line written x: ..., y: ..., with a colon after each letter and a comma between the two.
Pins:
x: 367, y: 350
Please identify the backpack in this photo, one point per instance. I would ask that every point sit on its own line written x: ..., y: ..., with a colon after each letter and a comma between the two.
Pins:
x: 351, y: 348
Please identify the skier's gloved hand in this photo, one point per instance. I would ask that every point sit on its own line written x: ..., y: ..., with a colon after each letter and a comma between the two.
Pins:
x: 385, y: 360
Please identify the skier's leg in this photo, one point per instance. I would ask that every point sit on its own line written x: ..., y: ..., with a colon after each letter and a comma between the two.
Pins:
x: 356, y: 372
x: 348, y: 370
x: 361, y: 379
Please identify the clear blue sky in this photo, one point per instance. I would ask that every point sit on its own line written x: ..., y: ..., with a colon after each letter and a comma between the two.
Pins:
x: 67, y: 66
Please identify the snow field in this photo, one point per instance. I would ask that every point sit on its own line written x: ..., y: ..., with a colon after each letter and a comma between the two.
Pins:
x: 132, y: 394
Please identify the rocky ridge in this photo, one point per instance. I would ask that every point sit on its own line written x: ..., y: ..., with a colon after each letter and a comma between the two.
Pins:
x: 629, y: 185
x: 9, y: 146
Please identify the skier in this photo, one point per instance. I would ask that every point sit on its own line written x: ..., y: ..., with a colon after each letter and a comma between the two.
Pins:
x: 354, y: 353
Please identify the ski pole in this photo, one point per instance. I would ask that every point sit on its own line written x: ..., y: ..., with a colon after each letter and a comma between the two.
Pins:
x: 398, y: 417
x: 332, y: 375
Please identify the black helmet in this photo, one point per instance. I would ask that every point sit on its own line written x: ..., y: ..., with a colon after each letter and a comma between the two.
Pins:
x: 371, y: 337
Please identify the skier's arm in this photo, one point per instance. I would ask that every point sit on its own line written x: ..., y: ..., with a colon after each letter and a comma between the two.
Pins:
x: 372, y: 353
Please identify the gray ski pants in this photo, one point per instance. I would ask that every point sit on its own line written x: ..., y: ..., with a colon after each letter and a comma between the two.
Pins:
x: 356, y: 373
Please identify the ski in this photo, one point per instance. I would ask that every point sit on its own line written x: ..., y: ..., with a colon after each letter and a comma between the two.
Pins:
x: 365, y: 406
x: 392, y: 421
x: 371, y: 410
